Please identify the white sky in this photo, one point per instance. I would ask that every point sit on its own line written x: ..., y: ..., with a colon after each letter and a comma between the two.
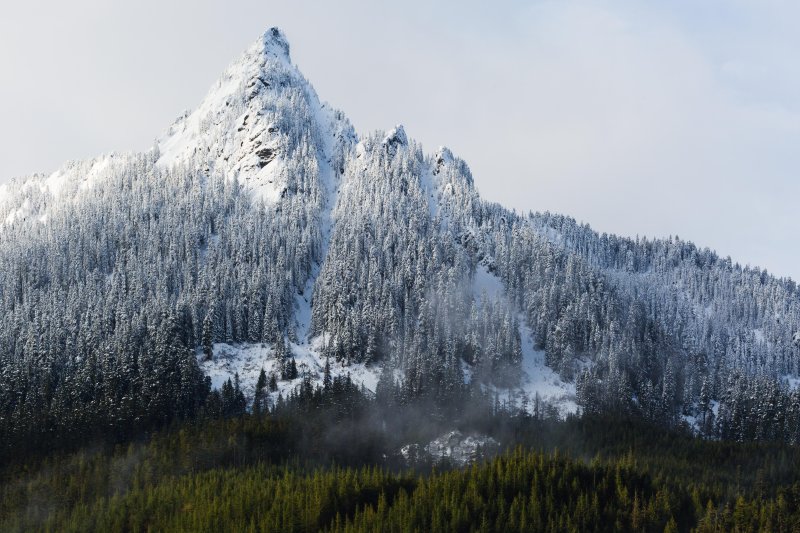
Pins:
x: 649, y: 118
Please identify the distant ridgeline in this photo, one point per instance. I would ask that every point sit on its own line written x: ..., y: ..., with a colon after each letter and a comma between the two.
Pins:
x: 263, y: 209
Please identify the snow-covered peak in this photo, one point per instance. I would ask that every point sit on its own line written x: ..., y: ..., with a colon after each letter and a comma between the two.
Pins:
x: 395, y: 136
x: 273, y: 42
x: 261, y: 123
x: 256, y: 124
x: 443, y: 156
x: 452, y: 176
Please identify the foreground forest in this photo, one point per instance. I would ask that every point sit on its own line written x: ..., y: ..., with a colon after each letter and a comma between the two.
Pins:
x: 330, y: 461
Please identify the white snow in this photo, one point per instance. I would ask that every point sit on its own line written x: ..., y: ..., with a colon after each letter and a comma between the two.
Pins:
x: 486, y: 284
x: 536, y: 377
x: 21, y: 212
x: 715, y: 407
x: 326, y: 123
x: 396, y: 135
x: 33, y: 197
x: 454, y: 446
x: 245, y: 359
x: 302, y: 307
x: 248, y: 359
x: 692, y: 422
x: 217, y: 135
x: 429, y: 189
x: 792, y: 381
x: 540, y: 379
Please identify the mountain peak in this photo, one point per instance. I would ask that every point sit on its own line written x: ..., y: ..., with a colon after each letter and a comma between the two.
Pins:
x: 273, y: 42
x: 234, y: 130
x: 396, y: 135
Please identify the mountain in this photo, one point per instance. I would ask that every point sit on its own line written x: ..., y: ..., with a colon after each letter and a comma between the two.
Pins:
x: 262, y: 232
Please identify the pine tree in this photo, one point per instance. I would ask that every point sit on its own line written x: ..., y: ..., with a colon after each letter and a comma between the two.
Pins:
x: 208, y: 336
x: 326, y: 380
x: 259, y: 396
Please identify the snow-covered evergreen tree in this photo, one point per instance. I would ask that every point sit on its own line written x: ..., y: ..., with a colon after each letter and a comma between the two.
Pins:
x: 119, y: 273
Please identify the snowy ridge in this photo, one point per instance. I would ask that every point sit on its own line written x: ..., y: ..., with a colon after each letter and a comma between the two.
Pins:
x: 241, y: 129
x: 31, y: 198
x: 334, y: 136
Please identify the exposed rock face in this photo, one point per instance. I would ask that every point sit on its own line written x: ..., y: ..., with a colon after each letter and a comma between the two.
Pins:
x: 453, y: 446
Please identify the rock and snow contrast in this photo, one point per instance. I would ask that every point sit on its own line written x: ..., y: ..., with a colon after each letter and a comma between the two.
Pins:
x: 454, y: 447
x: 262, y: 230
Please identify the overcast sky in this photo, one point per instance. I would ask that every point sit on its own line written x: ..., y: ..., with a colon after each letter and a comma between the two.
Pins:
x: 648, y: 118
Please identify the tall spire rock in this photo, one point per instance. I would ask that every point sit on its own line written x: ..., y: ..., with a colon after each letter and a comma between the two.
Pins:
x: 254, y: 122
x: 273, y: 41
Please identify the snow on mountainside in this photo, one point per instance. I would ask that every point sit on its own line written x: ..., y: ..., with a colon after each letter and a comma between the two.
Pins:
x: 241, y: 130
x: 223, y: 134
x: 537, y: 381
x: 247, y: 360
x: 260, y: 228
x: 28, y: 199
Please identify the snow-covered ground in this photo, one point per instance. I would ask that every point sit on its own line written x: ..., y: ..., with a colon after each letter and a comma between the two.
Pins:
x: 540, y: 379
x: 487, y: 285
x: 792, y: 381
x: 536, y: 378
x: 328, y: 125
x: 695, y: 422
x: 248, y: 359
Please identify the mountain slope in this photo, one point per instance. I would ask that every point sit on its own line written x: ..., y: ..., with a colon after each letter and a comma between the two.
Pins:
x: 262, y: 232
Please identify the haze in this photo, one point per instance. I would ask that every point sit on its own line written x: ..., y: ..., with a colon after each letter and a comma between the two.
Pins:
x: 653, y: 119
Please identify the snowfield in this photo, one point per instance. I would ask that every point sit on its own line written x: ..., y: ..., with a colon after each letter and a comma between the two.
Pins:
x: 247, y: 360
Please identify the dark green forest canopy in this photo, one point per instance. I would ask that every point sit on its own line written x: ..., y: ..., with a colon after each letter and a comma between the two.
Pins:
x: 243, y: 473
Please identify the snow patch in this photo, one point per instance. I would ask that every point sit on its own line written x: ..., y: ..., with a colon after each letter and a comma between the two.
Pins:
x: 248, y: 359
x: 692, y: 422
x: 486, y: 285
x: 793, y: 382
x: 429, y: 189
x: 537, y: 380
